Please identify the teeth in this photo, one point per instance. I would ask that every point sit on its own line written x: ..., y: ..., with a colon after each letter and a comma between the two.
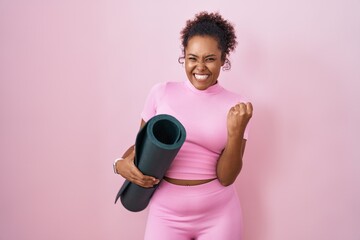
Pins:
x: 201, y: 76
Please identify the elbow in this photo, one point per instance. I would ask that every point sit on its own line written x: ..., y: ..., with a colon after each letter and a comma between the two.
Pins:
x: 227, y: 178
x: 226, y: 183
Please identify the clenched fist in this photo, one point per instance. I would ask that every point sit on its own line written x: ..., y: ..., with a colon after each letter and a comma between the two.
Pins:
x: 238, y: 118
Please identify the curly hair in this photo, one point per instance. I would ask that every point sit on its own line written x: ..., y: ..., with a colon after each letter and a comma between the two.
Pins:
x: 214, y: 25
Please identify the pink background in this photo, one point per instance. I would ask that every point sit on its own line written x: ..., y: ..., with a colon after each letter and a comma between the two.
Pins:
x: 74, y: 77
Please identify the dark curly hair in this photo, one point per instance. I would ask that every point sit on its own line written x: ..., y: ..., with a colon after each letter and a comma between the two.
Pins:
x: 214, y: 25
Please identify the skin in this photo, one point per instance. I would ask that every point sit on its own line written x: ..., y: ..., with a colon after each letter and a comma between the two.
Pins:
x: 203, y: 62
x: 203, y: 58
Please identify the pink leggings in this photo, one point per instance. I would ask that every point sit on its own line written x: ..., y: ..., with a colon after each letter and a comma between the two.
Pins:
x: 202, y: 212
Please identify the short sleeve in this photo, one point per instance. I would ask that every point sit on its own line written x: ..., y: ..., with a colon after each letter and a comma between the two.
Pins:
x: 152, y: 101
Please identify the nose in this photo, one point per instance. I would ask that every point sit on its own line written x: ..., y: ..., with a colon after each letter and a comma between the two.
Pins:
x: 201, y: 66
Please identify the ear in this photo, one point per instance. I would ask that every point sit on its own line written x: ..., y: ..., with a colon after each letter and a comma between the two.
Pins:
x: 223, y: 59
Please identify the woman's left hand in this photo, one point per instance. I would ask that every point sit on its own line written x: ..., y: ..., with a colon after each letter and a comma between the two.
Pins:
x: 238, y: 118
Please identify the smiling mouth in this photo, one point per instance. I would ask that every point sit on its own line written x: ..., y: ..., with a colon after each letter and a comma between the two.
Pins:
x: 201, y: 77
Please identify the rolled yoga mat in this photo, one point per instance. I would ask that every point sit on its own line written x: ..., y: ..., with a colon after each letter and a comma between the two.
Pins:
x: 156, y: 146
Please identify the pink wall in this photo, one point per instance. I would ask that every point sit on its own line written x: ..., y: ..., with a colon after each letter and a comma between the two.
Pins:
x: 73, y: 79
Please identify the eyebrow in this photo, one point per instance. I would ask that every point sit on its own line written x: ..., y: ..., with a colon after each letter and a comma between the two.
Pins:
x: 210, y: 55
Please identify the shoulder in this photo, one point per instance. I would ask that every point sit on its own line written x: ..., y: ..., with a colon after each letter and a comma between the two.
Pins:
x: 158, y: 86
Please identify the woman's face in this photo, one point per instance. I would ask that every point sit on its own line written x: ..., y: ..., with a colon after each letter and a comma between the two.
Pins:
x: 203, y: 61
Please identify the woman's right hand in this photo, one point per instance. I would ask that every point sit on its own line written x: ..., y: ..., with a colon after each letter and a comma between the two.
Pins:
x: 127, y: 169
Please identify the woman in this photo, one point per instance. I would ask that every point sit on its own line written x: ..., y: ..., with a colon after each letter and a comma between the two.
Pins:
x: 197, y: 200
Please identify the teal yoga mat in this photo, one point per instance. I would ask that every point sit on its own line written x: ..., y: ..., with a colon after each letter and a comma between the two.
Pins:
x: 156, y: 146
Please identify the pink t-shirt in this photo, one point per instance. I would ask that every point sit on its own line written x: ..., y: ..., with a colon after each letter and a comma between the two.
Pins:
x: 203, y: 114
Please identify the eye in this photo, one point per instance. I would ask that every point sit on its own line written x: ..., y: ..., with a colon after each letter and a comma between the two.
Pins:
x: 211, y: 59
x: 192, y: 59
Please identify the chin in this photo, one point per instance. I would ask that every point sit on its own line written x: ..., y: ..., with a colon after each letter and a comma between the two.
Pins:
x: 201, y: 86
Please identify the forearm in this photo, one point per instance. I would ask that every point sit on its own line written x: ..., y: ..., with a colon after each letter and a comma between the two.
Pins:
x: 129, y: 151
x: 230, y: 162
x: 127, y: 169
x: 127, y: 158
